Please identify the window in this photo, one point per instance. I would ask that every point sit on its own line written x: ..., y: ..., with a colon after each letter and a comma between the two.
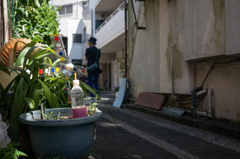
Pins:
x: 69, y: 9
x: 65, y: 10
x: 77, y: 62
x: 84, y: 34
x: 62, y: 10
x: 77, y: 38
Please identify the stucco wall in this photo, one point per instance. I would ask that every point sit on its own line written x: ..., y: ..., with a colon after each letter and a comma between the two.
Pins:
x: 172, y: 17
x: 144, y: 64
x: 205, y: 29
x: 224, y: 83
x: 202, y: 32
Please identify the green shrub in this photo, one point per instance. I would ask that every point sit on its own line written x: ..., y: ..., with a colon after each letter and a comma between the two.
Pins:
x: 35, y: 18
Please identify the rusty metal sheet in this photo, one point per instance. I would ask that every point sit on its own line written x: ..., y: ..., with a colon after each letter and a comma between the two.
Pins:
x: 151, y: 100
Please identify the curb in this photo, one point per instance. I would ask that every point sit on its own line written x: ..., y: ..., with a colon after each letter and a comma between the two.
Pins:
x: 212, y: 125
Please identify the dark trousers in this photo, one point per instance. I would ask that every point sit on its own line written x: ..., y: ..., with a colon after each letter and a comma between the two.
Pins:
x: 93, y: 81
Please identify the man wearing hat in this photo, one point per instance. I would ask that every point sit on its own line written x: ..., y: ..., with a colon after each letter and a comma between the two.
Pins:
x: 93, y: 55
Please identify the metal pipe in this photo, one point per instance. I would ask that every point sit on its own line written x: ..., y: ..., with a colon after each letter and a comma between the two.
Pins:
x: 201, y: 92
x: 126, y: 34
x: 93, y: 21
x: 5, y: 17
x: 218, y: 65
x: 209, y: 103
x: 172, y: 64
x: 193, y: 94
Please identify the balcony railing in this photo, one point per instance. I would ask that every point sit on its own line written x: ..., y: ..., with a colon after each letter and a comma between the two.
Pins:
x: 121, y: 7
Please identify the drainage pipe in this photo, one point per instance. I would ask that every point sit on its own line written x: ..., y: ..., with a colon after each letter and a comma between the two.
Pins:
x: 126, y: 37
x: 193, y: 94
x: 201, y: 92
x: 172, y: 65
x: 5, y: 17
x: 209, y: 103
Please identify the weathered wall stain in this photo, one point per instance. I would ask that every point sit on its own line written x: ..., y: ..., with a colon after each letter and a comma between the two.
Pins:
x: 177, y: 59
x: 219, y: 12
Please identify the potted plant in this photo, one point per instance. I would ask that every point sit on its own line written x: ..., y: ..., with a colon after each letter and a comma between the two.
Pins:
x: 30, y: 90
x: 116, y: 89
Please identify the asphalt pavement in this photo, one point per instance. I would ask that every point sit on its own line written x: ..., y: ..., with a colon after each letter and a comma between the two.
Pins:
x: 139, y: 135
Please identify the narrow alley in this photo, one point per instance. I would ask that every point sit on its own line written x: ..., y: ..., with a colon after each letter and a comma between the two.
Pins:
x: 139, y: 135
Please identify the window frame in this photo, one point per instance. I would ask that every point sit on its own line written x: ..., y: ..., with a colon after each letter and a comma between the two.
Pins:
x: 73, y: 37
x: 65, y: 9
x: 84, y: 36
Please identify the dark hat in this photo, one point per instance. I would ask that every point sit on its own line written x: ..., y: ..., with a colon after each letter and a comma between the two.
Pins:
x: 92, y: 40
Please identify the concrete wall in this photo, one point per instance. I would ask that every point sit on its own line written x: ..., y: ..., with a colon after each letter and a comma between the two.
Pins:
x: 72, y: 24
x: 144, y: 54
x: 87, y: 23
x: 232, y: 18
x: 205, y: 32
x: 111, y: 30
x: 76, y: 14
x: 224, y: 82
x: 74, y: 49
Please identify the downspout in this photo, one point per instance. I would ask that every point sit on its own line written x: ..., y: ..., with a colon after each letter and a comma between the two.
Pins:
x: 172, y: 65
x: 94, y: 21
x: 126, y: 34
x: 209, y: 103
x: 5, y: 17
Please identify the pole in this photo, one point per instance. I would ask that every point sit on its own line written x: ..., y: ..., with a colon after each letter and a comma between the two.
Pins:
x: 126, y: 34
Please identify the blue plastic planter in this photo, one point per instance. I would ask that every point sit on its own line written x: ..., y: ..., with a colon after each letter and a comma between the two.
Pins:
x: 71, y: 138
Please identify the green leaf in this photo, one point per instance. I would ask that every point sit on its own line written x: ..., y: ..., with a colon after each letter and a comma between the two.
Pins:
x: 21, y: 57
x: 52, y: 101
x: 56, y: 62
x: 1, y: 88
x: 12, y: 144
x: 2, y: 151
x: 24, y: 2
x: 4, y: 69
x: 36, y: 92
x: 37, y: 3
x: 14, y: 156
x: 16, y: 112
x: 19, y: 153
x: 30, y: 102
x: 26, y: 58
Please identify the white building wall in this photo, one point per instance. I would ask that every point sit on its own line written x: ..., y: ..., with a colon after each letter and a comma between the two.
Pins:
x: 92, y: 4
x: 74, y: 49
x: 71, y: 24
x: 87, y: 24
x: 111, y: 30
x: 76, y: 14
x: 116, y: 76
